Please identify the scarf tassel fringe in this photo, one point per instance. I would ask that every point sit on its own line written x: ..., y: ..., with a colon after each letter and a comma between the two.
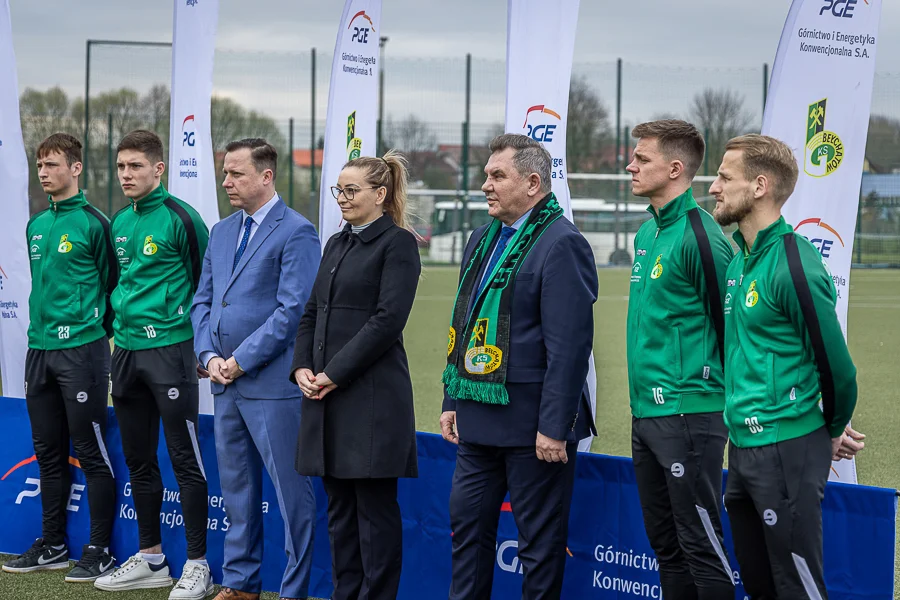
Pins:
x: 461, y: 388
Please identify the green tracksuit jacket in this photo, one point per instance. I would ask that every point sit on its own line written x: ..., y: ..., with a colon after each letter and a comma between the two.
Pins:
x: 674, y: 362
x: 160, y: 242
x: 777, y: 366
x: 73, y: 271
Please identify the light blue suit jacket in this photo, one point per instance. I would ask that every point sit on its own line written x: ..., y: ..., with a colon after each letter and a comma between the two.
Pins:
x: 253, y: 312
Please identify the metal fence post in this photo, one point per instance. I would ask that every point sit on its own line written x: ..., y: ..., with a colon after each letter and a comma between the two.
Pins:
x: 86, y: 143
x: 618, y: 152
x: 110, y: 165
x: 312, y: 140
x: 464, y: 154
x: 706, y: 154
x: 291, y: 162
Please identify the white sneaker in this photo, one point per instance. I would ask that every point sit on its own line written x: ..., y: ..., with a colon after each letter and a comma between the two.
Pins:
x: 195, y: 583
x: 135, y: 574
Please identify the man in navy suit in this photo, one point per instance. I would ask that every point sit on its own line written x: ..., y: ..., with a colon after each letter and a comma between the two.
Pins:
x: 527, y: 445
x: 257, y: 275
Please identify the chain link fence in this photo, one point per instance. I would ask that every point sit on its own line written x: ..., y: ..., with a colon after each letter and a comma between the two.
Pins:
x: 283, y: 97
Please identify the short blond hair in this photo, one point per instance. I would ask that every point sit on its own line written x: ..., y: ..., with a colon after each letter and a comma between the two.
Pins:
x: 764, y: 155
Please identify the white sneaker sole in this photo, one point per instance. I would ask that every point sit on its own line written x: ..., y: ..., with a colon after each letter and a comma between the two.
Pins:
x: 85, y: 579
x: 209, y: 591
x: 50, y: 567
x: 146, y: 583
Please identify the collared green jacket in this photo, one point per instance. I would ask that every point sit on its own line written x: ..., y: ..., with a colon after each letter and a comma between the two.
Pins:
x: 674, y: 361
x: 777, y: 366
x: 159, y: 244
x: 73, y: 272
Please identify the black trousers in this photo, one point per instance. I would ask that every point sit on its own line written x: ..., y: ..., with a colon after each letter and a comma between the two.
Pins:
x: 366, y: 538
x: 678, y: 466
x: 147, y: 385
x: 540, y: 494
x: 66, y: 394
x: 774, y: 500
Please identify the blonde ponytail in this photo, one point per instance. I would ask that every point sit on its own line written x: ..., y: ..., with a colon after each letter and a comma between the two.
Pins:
x: 391, y: 172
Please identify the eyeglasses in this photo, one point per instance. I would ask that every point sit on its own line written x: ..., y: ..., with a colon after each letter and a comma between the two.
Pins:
x: 349, y: 192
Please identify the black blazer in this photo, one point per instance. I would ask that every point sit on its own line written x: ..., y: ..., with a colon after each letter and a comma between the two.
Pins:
x: 352, y: 330
x: 551, y: 336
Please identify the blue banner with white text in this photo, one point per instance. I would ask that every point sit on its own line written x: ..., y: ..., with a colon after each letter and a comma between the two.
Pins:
x: 608, y: 553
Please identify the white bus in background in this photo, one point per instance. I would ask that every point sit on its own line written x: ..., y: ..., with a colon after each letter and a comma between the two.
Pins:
x: 596, y: 219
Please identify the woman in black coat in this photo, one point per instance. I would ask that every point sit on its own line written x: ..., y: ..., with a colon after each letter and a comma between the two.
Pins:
x: 357, y: 423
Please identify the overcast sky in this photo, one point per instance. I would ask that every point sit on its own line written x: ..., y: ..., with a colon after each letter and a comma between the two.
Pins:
x: 730, y: 35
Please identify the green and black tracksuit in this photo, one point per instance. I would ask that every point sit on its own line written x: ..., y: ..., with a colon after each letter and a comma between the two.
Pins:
x: 73, y: 271
x: 159, y: 244
x: 676, y: 386
x: 785, y: 354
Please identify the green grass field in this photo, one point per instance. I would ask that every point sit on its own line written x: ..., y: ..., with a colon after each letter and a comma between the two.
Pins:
x: 874, y: 330
x: 874, y: 333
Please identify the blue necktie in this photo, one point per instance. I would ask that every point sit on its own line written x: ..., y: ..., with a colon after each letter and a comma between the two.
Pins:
x: 505, y: 234
x: 243, y: 246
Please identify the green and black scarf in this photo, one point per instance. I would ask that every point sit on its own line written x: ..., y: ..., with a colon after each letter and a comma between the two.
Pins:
x: 477, y: 370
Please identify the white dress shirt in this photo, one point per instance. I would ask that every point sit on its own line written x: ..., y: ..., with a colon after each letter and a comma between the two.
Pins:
x: 258, y: 217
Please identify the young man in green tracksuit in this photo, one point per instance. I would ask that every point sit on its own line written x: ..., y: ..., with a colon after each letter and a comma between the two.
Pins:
x: 159, y: 243
x: 784, y: 354
x: 675, y: 336
x: 73, y: 271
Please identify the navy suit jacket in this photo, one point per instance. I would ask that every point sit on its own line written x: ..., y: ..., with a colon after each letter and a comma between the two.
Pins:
x: 253, y: 312
x: 551, y: 338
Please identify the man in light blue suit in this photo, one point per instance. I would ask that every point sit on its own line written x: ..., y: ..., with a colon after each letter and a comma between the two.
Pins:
x: 257, y: 275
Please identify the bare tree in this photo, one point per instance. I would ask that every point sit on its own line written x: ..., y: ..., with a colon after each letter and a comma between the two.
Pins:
x: 44, y: 113
x: 156, y: 106
x: 493, y: 131
x: 588, y: 127
x: 883, y: 144
x: 416, y: 140
x: 410, y: 135
x: 720, y: 115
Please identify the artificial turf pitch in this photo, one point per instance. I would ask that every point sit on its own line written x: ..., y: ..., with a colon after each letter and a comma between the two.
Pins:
x: 874, y: 336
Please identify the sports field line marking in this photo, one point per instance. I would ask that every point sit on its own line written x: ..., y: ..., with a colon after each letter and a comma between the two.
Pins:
x: 891, y: 306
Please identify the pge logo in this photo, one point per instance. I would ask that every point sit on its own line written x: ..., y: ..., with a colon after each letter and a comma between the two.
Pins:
x: 822, y: 235
x: 508, y: 551
x: 840, y: 8
x: 33, y: 484
x: 542, y: 132
x: 187, y: 136
x: 509, y: 561
x: 361, y: 34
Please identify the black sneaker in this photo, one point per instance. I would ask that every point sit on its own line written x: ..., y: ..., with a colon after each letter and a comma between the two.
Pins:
x: 95, y: 562
x: 40, y: 557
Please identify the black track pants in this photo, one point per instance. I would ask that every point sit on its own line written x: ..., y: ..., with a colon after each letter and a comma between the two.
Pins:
x: 66, y: 394
x: 147, y: 385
